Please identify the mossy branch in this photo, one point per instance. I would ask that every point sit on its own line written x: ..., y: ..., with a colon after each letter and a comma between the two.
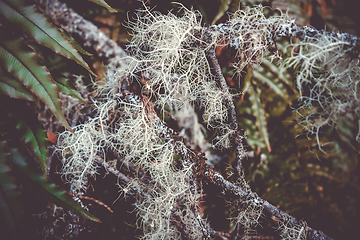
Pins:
x: 176, y: 57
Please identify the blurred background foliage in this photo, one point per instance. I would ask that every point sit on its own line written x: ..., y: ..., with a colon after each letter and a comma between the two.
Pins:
x: 284, y: 164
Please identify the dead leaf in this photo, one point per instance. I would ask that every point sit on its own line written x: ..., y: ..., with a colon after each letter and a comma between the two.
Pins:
x: 51, y: 137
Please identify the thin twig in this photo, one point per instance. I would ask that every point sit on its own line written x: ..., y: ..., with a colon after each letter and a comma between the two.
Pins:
x: 237, y: 139
x: 92, y: 199
x: 121, y: 176
x: 229, y: 188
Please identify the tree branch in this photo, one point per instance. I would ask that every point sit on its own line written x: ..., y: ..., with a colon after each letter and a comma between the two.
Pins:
x: 229, y: 188
x: 237, y: 139
x: 290, y: 29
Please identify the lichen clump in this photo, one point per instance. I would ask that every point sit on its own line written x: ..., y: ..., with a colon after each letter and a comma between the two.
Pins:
x: 169, y: 59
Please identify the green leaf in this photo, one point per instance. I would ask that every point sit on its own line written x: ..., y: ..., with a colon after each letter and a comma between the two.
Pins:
x: 22, y: 122
x: 275, y: 87
x: 223, y: 8
x: 65, y: 86
x: 11, y: 207
x: 259, y: 112
x: 17, y: 13
x: 279, y: 72
x: 33, y: 133
x: 104, y: 4
x: 13, y: 88
x: 24, y: 64
x: 74, y: 43
x: 51, y: 191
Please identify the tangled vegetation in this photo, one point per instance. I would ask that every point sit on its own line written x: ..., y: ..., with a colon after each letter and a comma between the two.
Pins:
x: 167, y: 118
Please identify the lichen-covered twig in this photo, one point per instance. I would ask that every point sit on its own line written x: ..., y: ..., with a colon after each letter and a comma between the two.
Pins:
x: 229, y: 188
x: 237, y: 138
x: 119, y: 175
x: 288, y: 28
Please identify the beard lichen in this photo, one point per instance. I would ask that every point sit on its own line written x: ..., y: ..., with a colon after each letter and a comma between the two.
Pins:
x: 171, y: 53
